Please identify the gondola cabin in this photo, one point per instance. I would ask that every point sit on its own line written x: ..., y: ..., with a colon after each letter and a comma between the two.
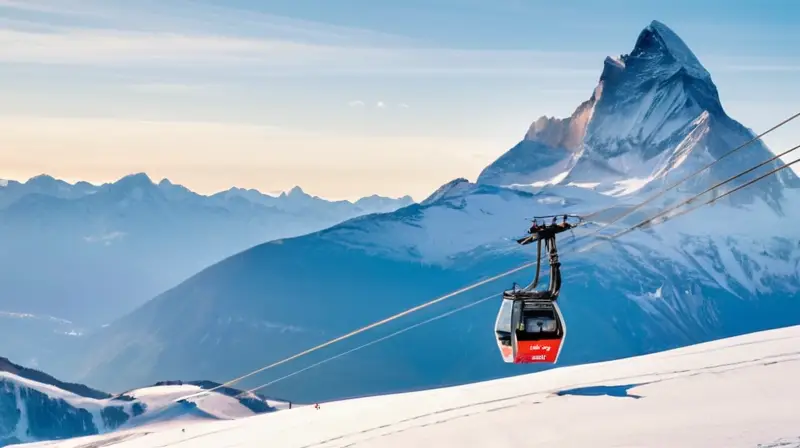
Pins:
x: 530, y: 331
x: 530, y: 327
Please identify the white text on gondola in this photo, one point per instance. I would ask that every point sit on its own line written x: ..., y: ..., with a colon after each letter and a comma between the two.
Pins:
x: 538, y: 347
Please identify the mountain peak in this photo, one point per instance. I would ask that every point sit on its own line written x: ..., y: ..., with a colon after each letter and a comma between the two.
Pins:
x: 453, y: 188
x: 136, y: 186
x: 139, y: 179
x: 42, y: 180
x: 654, y: 113
x: 658, y: 41
x: 296, y: 191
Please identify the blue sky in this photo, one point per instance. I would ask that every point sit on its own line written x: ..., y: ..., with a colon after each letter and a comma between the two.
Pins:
x: 343, y: 97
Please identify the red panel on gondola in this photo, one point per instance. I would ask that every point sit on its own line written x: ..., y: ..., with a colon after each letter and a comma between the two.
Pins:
x: 543, y: 351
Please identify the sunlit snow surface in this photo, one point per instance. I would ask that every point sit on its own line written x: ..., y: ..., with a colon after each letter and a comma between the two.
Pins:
x: 737, y: 392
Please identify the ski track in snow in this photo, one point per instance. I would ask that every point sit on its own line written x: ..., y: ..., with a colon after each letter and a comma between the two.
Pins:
x: 736, y: 392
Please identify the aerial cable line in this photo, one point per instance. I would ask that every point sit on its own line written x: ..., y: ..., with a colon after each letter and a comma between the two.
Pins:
x: 683, y: 212
x: 687, y: 201
x: 363, y: 329
x: 373, y: 342
x: 457, y: 292
x: 671, y: 187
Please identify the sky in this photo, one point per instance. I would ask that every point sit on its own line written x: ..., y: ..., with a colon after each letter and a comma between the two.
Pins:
x: 345, y: 98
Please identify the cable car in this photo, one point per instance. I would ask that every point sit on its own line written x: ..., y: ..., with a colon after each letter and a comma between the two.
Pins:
x: 530, y: 327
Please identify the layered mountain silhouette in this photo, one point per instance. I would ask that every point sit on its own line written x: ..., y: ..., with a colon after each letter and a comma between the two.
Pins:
x: 78, y: 256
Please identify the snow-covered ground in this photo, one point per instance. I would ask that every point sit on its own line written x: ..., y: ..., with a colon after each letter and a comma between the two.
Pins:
x: 737, y: 392
x: 160, y: 402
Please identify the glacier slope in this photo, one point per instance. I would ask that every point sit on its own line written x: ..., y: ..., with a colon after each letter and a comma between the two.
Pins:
x: 736, y: 392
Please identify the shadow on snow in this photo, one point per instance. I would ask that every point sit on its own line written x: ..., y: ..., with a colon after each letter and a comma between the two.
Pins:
x: 620, y: 391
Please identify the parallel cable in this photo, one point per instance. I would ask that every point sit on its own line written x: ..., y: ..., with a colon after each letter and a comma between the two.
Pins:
x: 730, y: 179
x: 712, y: 200
x: 671, y: 187
x: 375, y: 341
x: 363, y: 329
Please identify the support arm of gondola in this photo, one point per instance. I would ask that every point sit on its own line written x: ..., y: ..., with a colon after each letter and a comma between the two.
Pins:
x: 555, y: 269
x: 535, y: 282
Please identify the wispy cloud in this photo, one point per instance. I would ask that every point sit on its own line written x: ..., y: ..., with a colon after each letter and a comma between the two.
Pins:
x: 268, y: 57
x: 761, y: 68
x: 105, y: 239
x: 766, y: 64
x: 61, y: 8
x: 162, y: 88
x: 378, y: 104
x: 159, y: 33
x: 103, y: 47
x: 173, y: 34
x: 191, y: 16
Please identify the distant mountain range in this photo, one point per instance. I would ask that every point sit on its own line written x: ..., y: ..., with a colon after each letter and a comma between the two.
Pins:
x: 74, y: 256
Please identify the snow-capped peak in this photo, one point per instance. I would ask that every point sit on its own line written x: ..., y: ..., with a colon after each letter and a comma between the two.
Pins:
x: 137, y: 186
x: 455, y: 187
x: 654, y: 117
x: 295, y: 192
x: 658, y: 40
x: 136, y: 180
x: 42, y: 179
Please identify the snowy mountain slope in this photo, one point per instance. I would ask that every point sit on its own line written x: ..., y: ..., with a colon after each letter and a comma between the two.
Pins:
x: 737, y: 392
x: 33, y: 410
x: 43, y: 378
x: 689, y: 280
x: 656, y: 290
x: 105, y: 250
x: 654, y: 118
